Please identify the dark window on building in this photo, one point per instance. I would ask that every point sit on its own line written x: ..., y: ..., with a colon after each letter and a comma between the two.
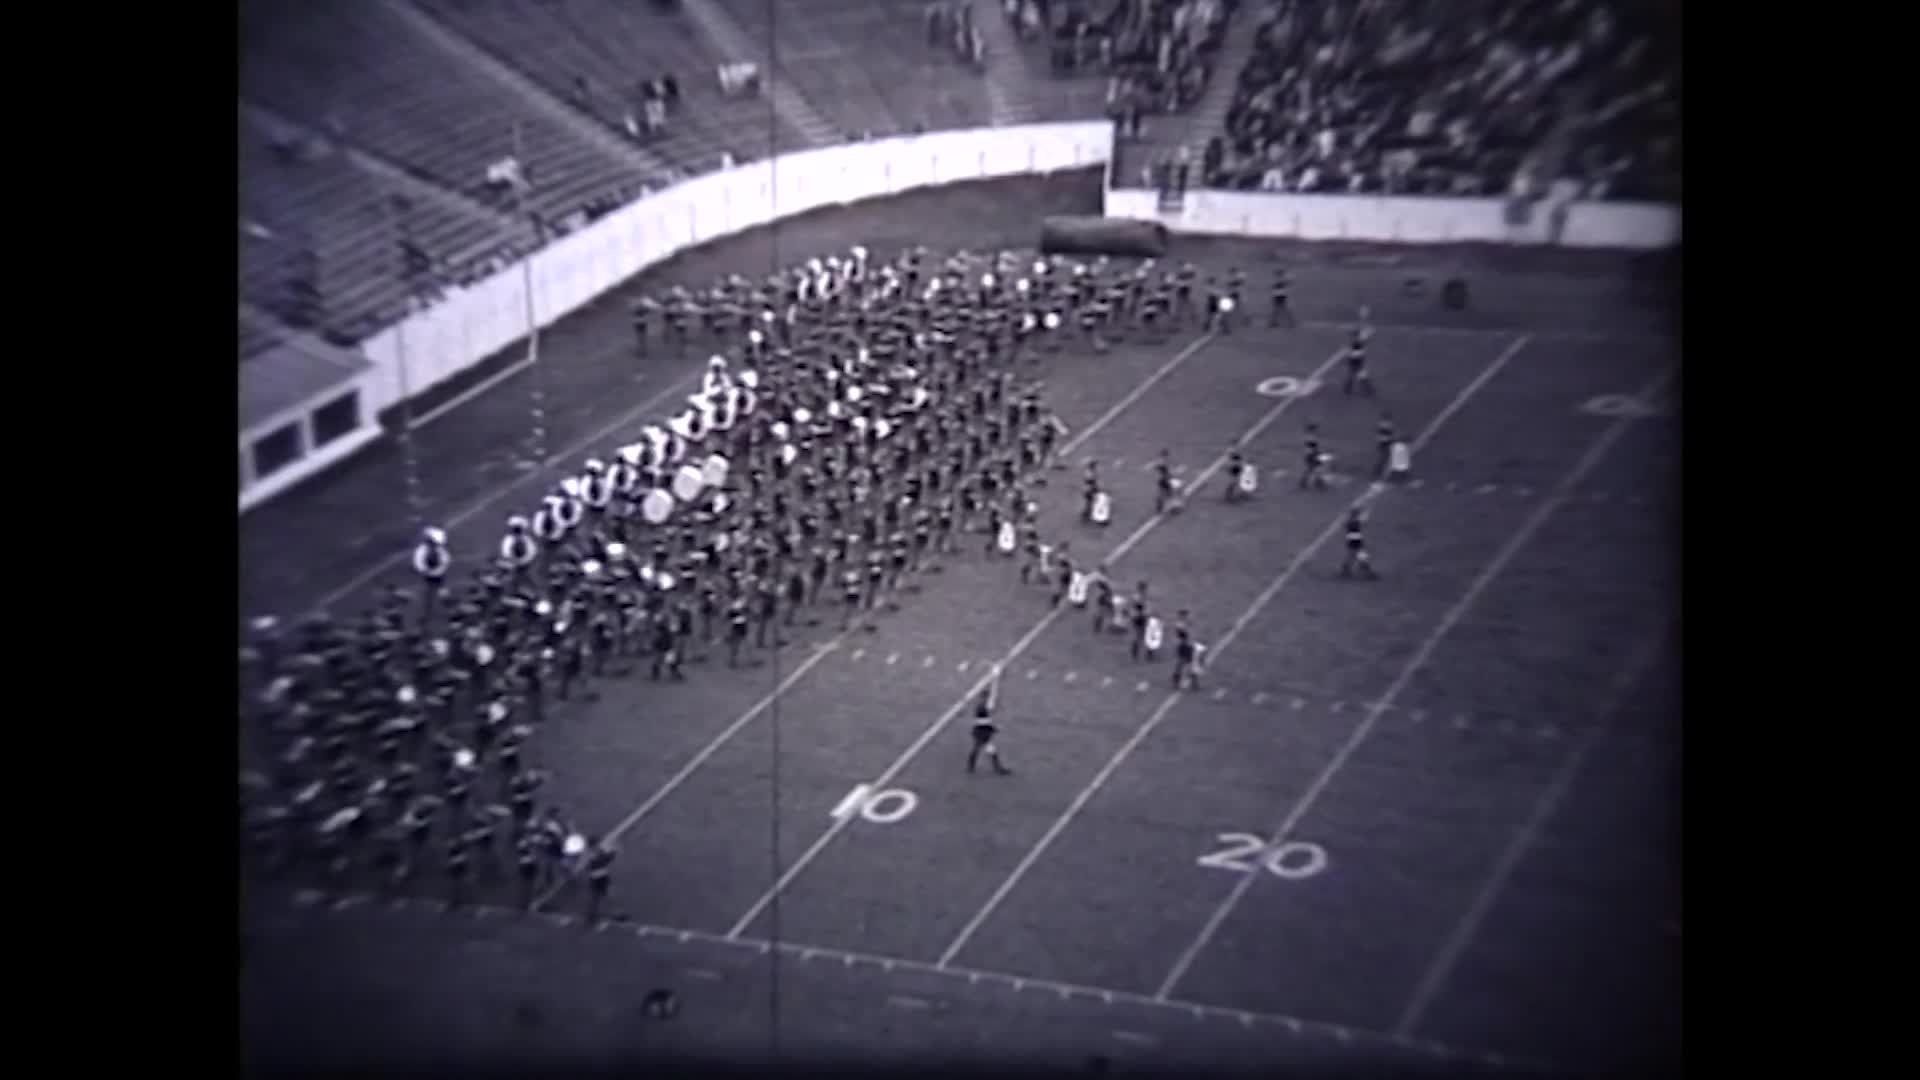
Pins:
x: 276, y: 451
x: 336, y: 418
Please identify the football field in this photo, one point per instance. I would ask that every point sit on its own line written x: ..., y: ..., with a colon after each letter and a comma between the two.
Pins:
x: 1427, y: 818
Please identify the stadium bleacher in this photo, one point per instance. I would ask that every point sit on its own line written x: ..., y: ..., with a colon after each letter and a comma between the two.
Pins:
x: 595, y: 54
x: 303, y: 194
x: 899, y: 82
x: 369, y: 77
x: 1484, y: 98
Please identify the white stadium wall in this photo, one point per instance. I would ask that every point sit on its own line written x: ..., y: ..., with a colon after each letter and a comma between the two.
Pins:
x: 478, y: 321
x: 1628, y: 226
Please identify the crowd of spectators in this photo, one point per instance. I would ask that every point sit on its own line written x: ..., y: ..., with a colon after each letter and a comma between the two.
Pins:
x: 1483, y: 98
x: 1157, y: 55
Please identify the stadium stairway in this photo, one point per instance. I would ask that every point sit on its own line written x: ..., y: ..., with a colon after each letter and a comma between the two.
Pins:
x: 1012, y: 91
x: 731, y: 40
x: 650, y: 165
x: 1165, y: 135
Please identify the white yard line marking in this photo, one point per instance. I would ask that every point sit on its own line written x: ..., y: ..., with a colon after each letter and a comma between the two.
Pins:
x: 1531, y: 525
x: 1463, y: 934
x: 1245, y: 618
x: 940, y: 722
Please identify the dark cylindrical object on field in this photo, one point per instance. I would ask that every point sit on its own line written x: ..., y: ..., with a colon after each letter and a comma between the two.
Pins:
x: 1083, y: 235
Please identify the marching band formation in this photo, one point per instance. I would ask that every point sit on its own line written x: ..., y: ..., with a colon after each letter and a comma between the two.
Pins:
x: 861, y: 419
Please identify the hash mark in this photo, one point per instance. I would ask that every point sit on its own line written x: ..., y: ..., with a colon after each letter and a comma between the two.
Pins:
x: 963, y: 665
x: 858, y: 653
x: 893, y: 657
x: 1033, y: 673
x: 1106, y: 681
x: 1486, y: 489
x: 928, y: 663
x: 1260, y: 698
x: 1338, y: 706
x: 1299, y: 703
x: 1142, y: 688
x: 1073, y: 676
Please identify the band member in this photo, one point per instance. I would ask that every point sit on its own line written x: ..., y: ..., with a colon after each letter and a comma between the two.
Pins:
x: 1357, y: 564
x: 984, y: 729
x: 1357, y: 380
x: 1280, y: 314
x: 518, y: 550
x: 1242, y: 478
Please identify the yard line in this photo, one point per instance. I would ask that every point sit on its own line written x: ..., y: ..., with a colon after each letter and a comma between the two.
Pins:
x: 800, y: 670
x: 1463, y: 935
x: 1447, y: 622
x: 1246, y: 616
x: 939, y: 724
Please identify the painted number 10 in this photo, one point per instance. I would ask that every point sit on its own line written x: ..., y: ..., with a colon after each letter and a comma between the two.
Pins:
x: 1244, y: 853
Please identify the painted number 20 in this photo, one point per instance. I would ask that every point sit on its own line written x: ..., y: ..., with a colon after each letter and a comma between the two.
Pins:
x: 1244, y: 853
